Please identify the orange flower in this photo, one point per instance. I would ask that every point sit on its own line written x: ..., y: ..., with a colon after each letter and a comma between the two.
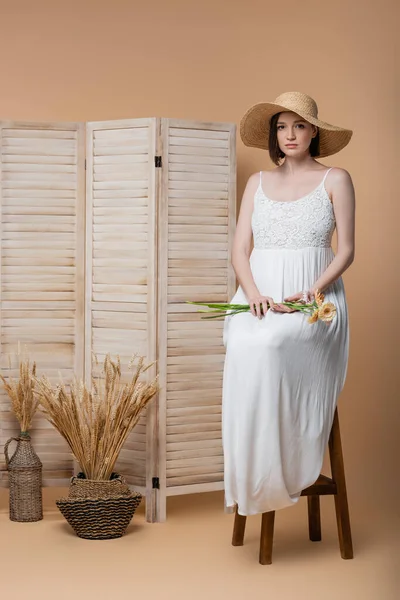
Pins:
x: 326, y: 312
x: 319, y: 297
x: 314, y: 317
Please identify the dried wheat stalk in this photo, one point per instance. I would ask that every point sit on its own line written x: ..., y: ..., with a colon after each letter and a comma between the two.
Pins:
x: 95, y: 423
x: 21, y: 392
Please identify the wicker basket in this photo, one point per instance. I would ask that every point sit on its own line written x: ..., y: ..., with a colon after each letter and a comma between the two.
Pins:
x: 99, y: 510
x: 25, y: 477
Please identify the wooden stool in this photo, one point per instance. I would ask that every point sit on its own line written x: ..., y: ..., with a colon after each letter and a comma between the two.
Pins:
x: 323, y: 486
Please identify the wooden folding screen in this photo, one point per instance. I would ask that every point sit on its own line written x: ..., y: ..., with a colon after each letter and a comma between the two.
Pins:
x: 121, y: 267
x: 197, y: 221
x: 42, y: 267
x: 160, y: 215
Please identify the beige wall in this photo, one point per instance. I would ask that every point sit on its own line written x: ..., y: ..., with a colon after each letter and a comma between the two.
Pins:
x: 210, y: 60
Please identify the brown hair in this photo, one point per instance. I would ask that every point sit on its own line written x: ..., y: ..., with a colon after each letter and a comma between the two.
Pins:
x: 275, y: 152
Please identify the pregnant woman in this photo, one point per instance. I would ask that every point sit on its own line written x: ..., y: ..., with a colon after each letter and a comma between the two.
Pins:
x: 283, y: 375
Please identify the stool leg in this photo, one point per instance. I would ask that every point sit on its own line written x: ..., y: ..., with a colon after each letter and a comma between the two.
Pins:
x: 341, y: 504
x: 238, y: 529
x: 267, y: 537
x: 314, y: 518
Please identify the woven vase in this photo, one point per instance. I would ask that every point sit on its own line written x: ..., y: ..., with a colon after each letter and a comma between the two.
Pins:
x: 25, y: 477
x: 99, y: 510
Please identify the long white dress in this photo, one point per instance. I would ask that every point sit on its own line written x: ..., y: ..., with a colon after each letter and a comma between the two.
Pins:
x: 282, y: 375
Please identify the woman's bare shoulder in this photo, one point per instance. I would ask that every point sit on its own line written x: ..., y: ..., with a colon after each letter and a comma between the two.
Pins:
x: 253, y: 182
x: 258, y: 178
x: 269, y: 175
x: 339, y: 183
x: 340, y: 175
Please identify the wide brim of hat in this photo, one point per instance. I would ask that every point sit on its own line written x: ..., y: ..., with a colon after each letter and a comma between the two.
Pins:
x: 254, y: 128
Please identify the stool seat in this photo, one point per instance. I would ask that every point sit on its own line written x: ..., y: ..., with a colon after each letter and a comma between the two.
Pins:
x: 323, y: 486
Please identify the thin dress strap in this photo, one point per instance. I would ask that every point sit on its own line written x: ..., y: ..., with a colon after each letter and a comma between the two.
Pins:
x: 323, y: 181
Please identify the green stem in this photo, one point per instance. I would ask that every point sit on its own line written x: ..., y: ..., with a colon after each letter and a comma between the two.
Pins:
x: 224, y: 308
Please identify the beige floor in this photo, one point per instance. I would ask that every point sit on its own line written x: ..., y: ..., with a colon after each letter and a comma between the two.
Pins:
x: 190, y: 557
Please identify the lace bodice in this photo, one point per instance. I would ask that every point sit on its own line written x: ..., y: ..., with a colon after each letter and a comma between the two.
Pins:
x: 306, y: 222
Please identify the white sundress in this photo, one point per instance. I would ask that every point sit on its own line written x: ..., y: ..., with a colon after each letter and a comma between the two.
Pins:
x: 282, y: 375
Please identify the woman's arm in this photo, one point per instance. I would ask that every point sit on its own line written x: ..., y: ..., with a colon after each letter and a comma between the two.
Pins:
x: 241, y: 249
x: 241, y: 246
x: 343, y: 199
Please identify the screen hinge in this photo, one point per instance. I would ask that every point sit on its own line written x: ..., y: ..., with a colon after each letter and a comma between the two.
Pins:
x: 155, y: 483
x: 158, y: 161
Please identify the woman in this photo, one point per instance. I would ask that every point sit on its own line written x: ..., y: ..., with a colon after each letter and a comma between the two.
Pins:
x: 283, y: 375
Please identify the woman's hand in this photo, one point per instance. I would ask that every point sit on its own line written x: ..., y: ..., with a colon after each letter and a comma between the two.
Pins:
x: 258, y: 302
x: 300, y: 296
x: 259, y: 306
x: 282, y: 308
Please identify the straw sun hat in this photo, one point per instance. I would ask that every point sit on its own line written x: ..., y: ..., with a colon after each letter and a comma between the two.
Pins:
x: 254, y: 126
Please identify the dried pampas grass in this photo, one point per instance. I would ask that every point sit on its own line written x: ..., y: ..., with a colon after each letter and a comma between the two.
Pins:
x: 21, y: 391
x: 95, y: 423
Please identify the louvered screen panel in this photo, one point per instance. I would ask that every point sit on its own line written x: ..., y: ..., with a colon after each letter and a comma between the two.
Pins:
x: 42, y: 268
x: 199, y: 183
x: 120, y: 239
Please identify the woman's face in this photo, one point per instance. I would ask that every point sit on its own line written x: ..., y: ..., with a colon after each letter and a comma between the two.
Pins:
x: 294, y: 133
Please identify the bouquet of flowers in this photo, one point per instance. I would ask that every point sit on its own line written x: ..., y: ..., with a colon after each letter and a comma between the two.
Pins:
x: 317, y: 308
